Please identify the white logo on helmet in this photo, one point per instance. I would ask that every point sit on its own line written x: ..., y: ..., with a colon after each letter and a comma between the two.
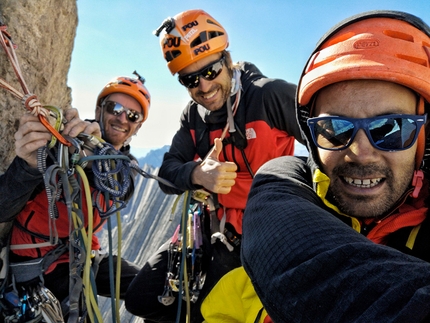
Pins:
x: 190, y: 33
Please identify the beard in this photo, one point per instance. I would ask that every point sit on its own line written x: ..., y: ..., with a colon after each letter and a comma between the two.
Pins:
x: 223, y: 88
x: 367, y: 205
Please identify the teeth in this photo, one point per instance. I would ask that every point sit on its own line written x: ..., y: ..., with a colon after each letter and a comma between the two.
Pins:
x: 210, y: 95
x: 119, y: 129
x: 364, y: 183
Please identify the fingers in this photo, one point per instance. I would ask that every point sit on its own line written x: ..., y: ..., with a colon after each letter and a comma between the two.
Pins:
x: 215, y: 176
x: 75, y: 125
x: 216, y: 150
x: 29, y: 124
x: 70, y: 114
x: 223, y: 186
x: 31, y: 135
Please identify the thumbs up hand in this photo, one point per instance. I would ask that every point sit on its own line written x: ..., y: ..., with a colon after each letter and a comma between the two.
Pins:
x: 215, y: 176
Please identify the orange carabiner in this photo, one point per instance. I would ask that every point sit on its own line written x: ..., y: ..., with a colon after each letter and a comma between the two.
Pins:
x: 54, y: 132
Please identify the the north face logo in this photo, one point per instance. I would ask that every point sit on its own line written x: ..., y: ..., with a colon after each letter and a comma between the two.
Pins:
x: 250, y: 133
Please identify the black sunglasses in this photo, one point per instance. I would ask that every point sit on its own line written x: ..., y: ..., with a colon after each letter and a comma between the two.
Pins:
x: 209, y: 72
x: 117, y: 109
x: 392, y: 132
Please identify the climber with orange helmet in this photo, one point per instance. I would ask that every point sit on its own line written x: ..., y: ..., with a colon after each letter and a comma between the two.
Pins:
x: 237, y: 120
x: 351, y: 241
x: 122, y: 94
x: 121, y: 108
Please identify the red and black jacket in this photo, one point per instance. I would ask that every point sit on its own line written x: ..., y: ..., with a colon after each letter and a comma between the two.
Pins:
x: 266, y: 118
x: 24, y: 200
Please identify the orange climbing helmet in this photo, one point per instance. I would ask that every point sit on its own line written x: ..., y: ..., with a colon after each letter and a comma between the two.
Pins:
x: 382, y: 45
x: 189, y: 36
x: 131, y: 86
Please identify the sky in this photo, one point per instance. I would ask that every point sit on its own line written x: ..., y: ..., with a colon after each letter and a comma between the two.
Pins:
x: 115, y: 38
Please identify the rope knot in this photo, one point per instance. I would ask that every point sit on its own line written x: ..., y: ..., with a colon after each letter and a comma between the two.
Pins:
x: 32, y: 104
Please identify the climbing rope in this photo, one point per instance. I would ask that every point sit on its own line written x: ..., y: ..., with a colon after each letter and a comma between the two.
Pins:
x: 28, y: 99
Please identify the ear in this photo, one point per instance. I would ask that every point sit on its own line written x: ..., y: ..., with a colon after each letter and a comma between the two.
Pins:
x: 137, y: 128
x: 98, y: 113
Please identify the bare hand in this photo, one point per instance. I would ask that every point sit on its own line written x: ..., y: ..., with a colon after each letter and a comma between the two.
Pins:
x: 75, y: 125
x: 215, y: 176
x: 31, y: 135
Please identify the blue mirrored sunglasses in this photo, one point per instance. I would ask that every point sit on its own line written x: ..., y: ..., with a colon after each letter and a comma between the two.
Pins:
x: 116, y: 109
x: 392, y: 132
x: 209, y: 73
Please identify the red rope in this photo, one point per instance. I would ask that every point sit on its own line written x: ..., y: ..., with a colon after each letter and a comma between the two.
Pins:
x: 29, y: 100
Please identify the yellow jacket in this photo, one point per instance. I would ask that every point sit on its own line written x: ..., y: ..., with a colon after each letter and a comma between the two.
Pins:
x: 234, y: 300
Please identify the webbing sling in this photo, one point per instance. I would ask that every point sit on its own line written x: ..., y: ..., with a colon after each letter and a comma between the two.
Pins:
x: 30, y: 269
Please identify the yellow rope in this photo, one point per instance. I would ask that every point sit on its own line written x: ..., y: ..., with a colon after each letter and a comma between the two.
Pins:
x: 90, y: 300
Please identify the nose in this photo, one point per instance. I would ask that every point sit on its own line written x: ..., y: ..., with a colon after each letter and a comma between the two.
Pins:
x: 204, y: 85
x: 122, y: 117
x: 361, y: 150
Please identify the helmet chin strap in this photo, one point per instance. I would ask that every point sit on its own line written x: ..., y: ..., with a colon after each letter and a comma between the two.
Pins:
x: 417, y: 180
x: 127, y: 142
x: 102, y: 128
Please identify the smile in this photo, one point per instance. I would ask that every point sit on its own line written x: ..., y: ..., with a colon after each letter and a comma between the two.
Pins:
x: 119, y: 128
x: 210, y: 95
x: 362, y: 183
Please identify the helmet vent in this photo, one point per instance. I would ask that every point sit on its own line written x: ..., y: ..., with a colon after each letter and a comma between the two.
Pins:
x: 413, y: 59
x: 171, y: 55
x: 209, y: 21
x: 398, y: 35
x: 338, y: 39
x: 204, y: 37
x: 146, y: 96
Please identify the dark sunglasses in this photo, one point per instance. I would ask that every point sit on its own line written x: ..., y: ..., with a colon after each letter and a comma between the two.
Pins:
x: 392, y: 132
x: 209, y: 72
x: 116, y: 109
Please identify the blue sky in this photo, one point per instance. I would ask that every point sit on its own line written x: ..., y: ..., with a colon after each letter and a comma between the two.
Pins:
x: 114, y: 38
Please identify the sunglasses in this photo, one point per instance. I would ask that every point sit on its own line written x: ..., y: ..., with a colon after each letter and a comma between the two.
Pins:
x: 117, y: 109
x: 389, y: 132
x: 209, y: 72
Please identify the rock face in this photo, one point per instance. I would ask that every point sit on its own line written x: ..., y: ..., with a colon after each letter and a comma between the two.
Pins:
x: 44, y: 31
